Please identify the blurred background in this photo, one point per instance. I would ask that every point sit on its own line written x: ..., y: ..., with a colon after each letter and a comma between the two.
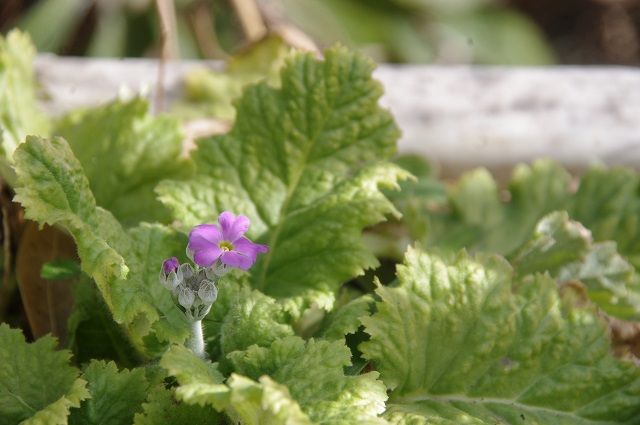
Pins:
x: 494, y: 32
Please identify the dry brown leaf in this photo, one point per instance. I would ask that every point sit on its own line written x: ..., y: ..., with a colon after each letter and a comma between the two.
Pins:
x: 47, y: 303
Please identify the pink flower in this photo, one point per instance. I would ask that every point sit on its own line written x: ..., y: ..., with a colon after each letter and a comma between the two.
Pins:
x: 209, y: 243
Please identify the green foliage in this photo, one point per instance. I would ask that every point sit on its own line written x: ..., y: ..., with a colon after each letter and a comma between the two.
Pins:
x: 37, y: 384
x: 303, y: 163
x: 458, y: 342
x: 453, y: 340
x: 125, y: 152
x: 19, y: 113
x: 53, y: 189
x: 161, y: 408
x: 565, y: 249
x: 307, y: 380
x: 115, y: 395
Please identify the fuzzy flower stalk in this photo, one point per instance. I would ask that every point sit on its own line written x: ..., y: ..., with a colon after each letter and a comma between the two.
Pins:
x: 214, y: 249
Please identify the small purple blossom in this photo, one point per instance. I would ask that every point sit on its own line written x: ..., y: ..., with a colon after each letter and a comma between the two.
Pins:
x: 170, y: 265
x: 209, y: 243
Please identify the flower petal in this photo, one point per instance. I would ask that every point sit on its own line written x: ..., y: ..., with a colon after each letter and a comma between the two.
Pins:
x: 248, y: 248
x: 233, y: 226
x: 236, y: 259
x: 206, y: 257
x: 203, y: 236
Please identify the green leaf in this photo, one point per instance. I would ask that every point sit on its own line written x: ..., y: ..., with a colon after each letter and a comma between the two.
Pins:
x: 60, y: 270
x: 211, y: 93
x: 566, y: 250
x: 455, y: 344
x: 161, y: 408
x: 242, y: 317
x: 125, y: 152
x: 19, y: 113
x: 607, y: 202
x: 200, y: 381
x: 37, y: 383
x: 53, y: 189
x: 303, y: 163
x: 263, y: 402
x: 305, y: 379
x: 115, y: 395
x: 313, y: 371
x: 556, y: 242
x: 253, y: 318
x: 93, y: 334
x: 345, y: 319
x: 476, y: 217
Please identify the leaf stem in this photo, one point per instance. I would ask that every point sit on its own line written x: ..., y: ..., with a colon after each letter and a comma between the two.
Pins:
x: 196, y: 339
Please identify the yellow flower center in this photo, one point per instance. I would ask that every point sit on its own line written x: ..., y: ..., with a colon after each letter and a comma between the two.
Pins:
x: 226, y: 246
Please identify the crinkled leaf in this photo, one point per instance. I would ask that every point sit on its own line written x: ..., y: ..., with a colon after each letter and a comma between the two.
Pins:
x: 162, y: 408
x: 565, y: 249
x: 305, y: 379
x: 37, y: 383
x: 254, y: 318
x: 125, y: 152
x: 241, y: 317
x: 194, y: 375
x: 19, y: 113
x: 313, y: 371
x: 115, y: 395
x: 53, y: 190
x: 263, y: 402
x: 455, y: 344
x: 302, y: 162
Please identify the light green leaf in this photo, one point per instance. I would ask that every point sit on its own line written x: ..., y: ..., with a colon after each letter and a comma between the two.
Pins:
x: 211, y: 93
x: 455, y: 344
x: 125, y: 152
x: 53, y: 189
x: 305, y: 379
x: 263, y: 402
x: 37, y: 383
x: 19, y: 113
x: 199, y: 380
x: 115, y: 395
x: 254, y: 318
x: 161, y: 408
x: 242, y: 317
x: 313, y: 371
x: 565, y: 249
x: 303, y: 163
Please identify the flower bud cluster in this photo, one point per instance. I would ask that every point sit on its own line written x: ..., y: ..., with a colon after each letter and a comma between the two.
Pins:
x: 193, y: 289
x: 214, y: 249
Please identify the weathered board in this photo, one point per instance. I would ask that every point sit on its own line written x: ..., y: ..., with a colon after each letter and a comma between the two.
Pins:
x: 460, y: 117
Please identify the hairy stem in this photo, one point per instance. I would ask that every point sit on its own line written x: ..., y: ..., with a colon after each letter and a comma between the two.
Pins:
x: 196, y: 339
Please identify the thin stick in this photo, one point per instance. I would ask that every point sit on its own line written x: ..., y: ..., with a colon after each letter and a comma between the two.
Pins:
x: 250, y: 18
x: 168, y: 45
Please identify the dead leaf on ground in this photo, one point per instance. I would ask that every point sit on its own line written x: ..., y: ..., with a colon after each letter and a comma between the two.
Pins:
x: 47, y: 303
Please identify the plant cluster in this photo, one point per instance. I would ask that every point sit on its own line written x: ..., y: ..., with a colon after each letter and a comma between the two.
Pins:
x: 514, y: 329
